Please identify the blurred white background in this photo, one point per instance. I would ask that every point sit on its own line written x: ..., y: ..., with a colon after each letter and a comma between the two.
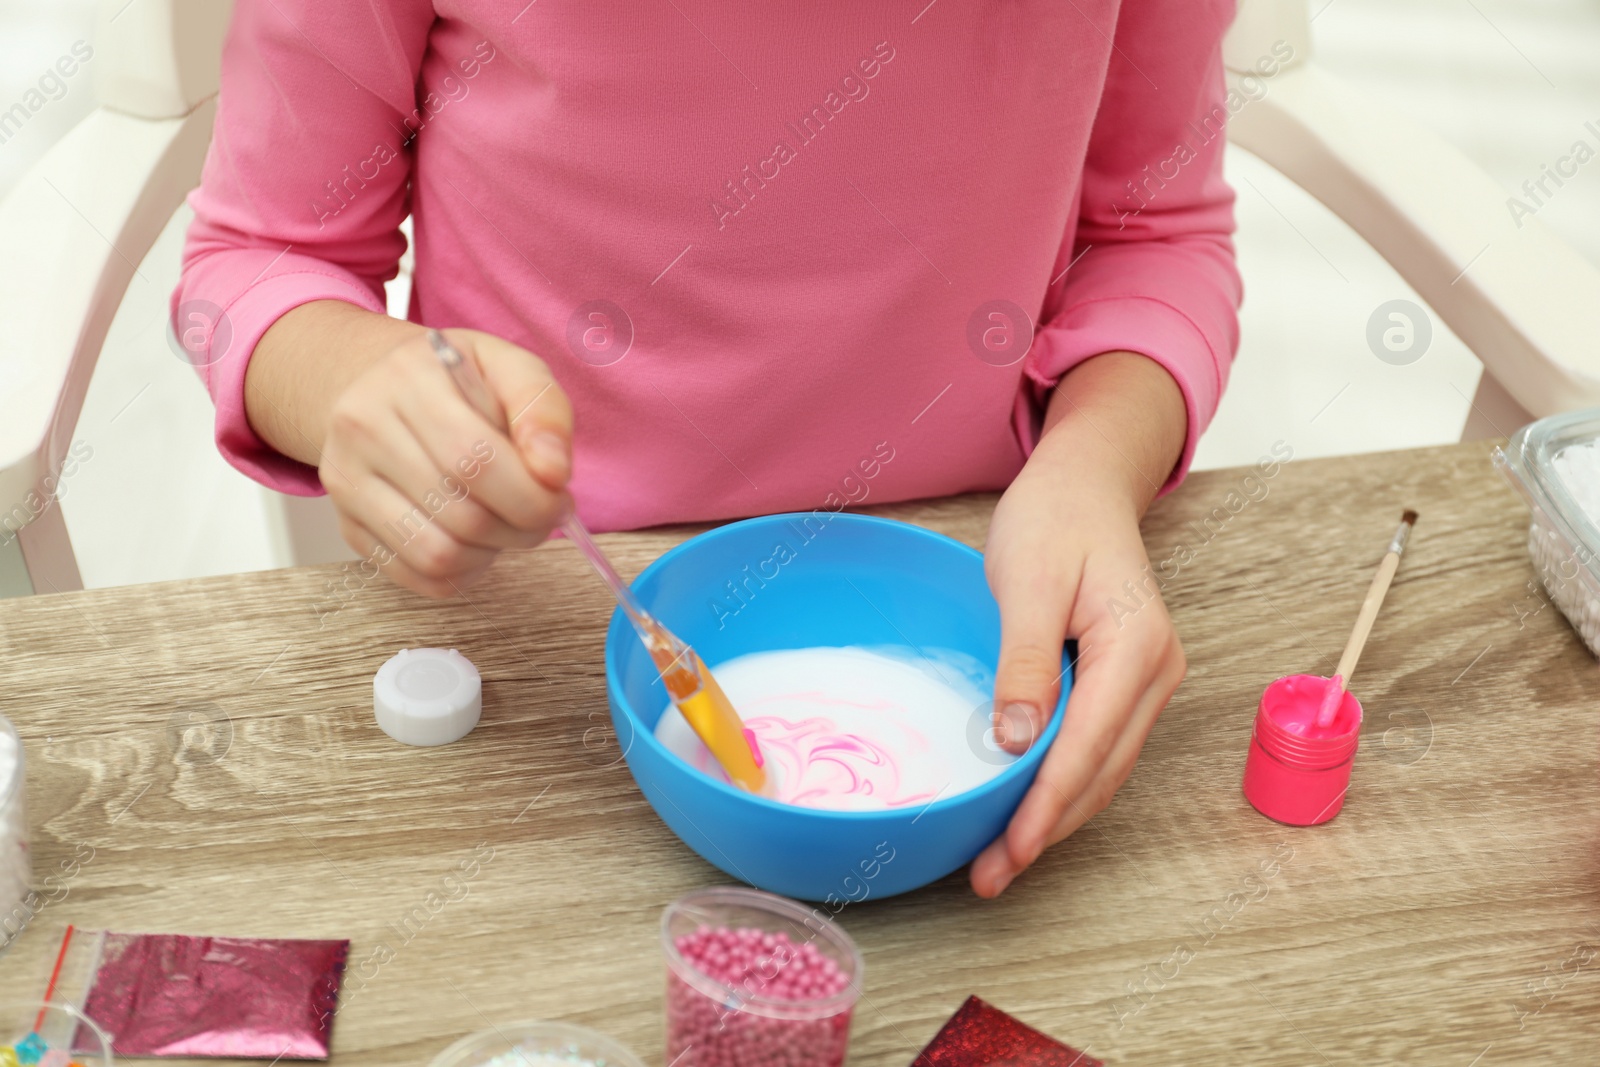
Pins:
x: 1509, y: 82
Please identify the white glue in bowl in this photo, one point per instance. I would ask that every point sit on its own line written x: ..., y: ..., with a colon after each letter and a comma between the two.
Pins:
x: 16, y: 867
x: 1555, y: 464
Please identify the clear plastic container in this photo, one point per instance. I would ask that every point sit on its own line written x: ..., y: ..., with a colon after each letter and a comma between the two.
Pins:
x: 537, y: 1044
x: 56, y: 1026
x: 800, y: 978
x: 16, y: 866
x: 1563, y: 541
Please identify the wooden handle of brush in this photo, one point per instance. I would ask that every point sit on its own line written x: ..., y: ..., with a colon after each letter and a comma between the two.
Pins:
x: 1369, y: 614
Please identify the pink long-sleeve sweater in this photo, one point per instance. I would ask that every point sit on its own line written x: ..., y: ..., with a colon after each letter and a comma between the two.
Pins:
x: 782, y: 255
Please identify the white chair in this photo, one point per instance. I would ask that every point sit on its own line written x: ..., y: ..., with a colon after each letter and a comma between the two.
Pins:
x: 72, y: 233
x: 1525, y: 303
x: 1530, y: 310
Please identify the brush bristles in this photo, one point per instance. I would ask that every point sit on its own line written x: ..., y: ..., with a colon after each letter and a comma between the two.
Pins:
x: 1397, y: 544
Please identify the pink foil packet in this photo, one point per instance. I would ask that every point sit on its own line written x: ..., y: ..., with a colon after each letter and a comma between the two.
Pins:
x: 981, y: 1035
x: 240, y: 998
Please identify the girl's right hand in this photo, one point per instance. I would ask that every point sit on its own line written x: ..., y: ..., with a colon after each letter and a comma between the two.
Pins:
x: 424, y: 485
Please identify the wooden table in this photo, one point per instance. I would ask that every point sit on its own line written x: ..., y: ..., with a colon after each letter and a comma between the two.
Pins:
x: 1450, y: 915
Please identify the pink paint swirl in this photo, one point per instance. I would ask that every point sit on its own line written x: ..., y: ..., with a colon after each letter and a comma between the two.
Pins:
x: 846, y: 729
x: 814, y: 762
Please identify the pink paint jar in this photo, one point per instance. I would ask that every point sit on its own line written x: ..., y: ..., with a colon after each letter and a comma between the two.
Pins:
x: 1298, y: 773
x: 755, y: 979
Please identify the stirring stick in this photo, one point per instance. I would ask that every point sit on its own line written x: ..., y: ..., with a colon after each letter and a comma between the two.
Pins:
x: 1369, y: 614
x: 55, y: 974
x: 696, y: 693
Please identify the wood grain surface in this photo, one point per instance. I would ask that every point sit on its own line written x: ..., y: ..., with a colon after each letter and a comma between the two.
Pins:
x: 1450, y: 915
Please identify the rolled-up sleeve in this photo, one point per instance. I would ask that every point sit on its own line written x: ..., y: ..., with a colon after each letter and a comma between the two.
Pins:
x: 1151, y: 261
x: 303, y: 192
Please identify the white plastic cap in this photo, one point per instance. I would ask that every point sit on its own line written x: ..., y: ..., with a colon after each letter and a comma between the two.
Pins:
x: 427, y: 696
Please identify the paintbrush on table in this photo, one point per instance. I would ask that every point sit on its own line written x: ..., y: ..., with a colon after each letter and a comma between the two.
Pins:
x: 1368, y: 615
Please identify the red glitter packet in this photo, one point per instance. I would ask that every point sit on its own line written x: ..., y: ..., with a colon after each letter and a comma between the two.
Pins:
x: 981, y: 1035
x: 241, y: 998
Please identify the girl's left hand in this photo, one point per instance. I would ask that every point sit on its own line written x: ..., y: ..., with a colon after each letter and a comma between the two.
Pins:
x: 1064, y: 550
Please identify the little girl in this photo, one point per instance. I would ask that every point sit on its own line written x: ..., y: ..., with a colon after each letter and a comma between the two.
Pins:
x: 718, y: 259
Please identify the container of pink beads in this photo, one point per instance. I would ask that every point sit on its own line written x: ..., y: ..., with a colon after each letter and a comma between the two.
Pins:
x: 754, y: 978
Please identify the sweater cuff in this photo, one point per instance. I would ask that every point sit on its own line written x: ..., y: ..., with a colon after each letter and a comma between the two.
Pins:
x: 1145, y: 325
x: 248, y: 317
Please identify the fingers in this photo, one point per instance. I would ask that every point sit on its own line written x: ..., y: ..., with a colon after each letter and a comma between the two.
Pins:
x: 369, y: 547
x: 1028, y: 678
x: 1097, y: 795
x: 459, y: 441
x: 1013, y: 852
x: 411, y: 471
x: 993, y: 870
x: 410, y: 533
x: 1103, y: 698
x: 537, y: 410
x: 1071, y: 789
x: 428, y: 485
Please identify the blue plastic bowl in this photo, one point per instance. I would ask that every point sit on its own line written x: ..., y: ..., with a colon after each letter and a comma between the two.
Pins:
x: 805, y: 580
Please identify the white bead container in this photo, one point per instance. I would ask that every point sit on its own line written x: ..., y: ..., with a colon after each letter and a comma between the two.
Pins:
x: 1541, y: 460
x: 16, y: 866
